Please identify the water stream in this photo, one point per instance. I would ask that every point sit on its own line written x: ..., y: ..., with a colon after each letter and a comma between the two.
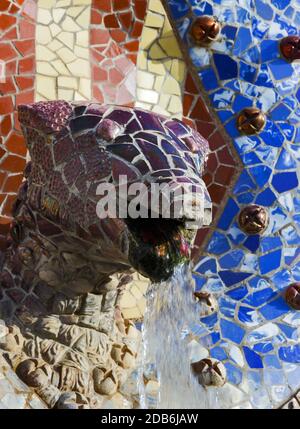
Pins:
x: 171, y: 309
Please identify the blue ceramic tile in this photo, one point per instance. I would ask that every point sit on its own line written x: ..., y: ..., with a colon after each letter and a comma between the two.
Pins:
x: 253, y: 359
x: 238, y: 293
x: 226, y: 67
x: 231, y: 278
x: 229, y: 213
x: 255, y: 270
x: 290, y: 354
x: 266, y: 198
x: 261, y: 174
x: 270, y: 262
x: 252, y: 243
x: 274, y: 309
x: 231, y: 331
x: 256, y: 299
x: 283, y: 182
x: 235, y: 375
x: 231, y: 259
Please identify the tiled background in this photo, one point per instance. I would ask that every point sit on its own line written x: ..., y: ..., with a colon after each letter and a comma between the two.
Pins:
x: 131, y: 52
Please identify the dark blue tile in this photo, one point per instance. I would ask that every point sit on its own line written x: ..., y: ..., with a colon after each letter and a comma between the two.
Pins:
x: 269, y: 243
x: 248, y: 316
x: 226, y: 67
x: 270, y: 262
x: 266, y: 198
x: 209, y: 79
x: 283, y: 182
x: 263, y: 77
x: 208, y: 265
x: 253, y: 359
x: 281, y: 4
x: 240, y: 102
x: 229, y: 31
x: 238, y: 293
x: 230, y: 211
x: 252, y: 243
x: 231, y: 278
x: 247, y: 72
x: 178, y: 8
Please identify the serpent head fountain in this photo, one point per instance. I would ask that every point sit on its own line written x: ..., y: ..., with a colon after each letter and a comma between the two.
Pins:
x: 64, y: 268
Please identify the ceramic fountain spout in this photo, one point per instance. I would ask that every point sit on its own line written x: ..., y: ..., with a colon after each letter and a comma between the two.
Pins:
x: 64, y: 268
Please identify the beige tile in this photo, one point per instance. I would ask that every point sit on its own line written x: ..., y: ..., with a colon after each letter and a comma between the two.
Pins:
x: 55, y: 29
x: 66, y: 55
x: 43, y: 34
x: 58, y: 14
x: 67, y: 39
x: 44, y: 16
x: 148, y: 37
x: 82, y: 52
x: 67, y: 82
x: 46, y: 69
x: 46, y: 4
x: 80, y: 68
x: 63, y: 3
x: 46, y: 87
x: 66, y: 94
x: 82, y: 39
x: 44, y: 54
x: 145, y: 80
x: 74, y: 11
x: 132, y: 313
x: 147, y: 95
x: 79, y: 97
x: 127, y: 300
x: 84, y: 18
x: 81, y: 2
x: 85, y: 88
x: 154, y: 20
x: 60, y: 67
x: 54, y: 45
x: 70, y: 25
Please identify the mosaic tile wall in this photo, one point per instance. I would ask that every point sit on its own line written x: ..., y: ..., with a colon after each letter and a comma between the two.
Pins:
x: 137, y: 53
x: 255, y: 334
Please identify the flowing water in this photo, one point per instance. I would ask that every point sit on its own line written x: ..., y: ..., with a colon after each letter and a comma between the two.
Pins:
x: 171, y: 308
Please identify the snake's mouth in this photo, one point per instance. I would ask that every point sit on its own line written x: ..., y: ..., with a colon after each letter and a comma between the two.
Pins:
x: 157, y: 246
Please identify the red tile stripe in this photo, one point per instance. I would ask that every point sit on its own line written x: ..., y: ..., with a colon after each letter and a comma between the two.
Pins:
x: 116, y: 28
x: 17, y: 52
x: 221, y: 166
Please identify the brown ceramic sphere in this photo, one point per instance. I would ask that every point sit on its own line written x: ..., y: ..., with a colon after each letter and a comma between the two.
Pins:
x: 253, y: 219
x: 251, y: 121
x: 205, y: 30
